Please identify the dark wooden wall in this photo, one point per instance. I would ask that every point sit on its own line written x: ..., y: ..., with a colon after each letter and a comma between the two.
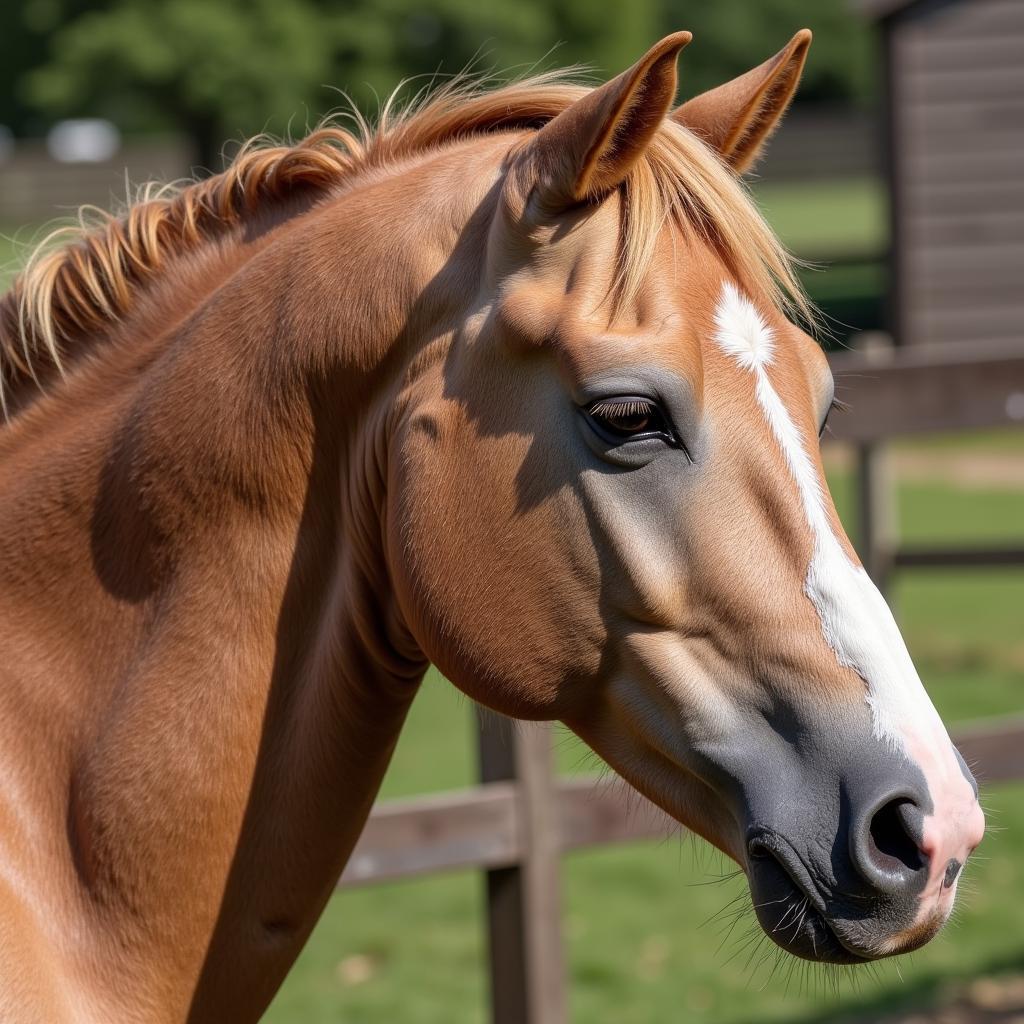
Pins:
x: 956, y: 142
x: 822, y: 142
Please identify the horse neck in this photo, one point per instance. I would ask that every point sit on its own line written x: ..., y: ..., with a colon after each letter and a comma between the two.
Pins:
x: 244, y: 665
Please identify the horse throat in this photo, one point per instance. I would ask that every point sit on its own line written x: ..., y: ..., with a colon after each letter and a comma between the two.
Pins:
x: 219, y: 677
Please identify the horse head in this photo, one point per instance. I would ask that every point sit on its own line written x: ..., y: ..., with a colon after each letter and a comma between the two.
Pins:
x: 609, y: 509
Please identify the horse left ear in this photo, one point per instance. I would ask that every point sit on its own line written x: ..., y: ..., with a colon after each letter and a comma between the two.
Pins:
x: 737, y: 118
x: 589, y: 148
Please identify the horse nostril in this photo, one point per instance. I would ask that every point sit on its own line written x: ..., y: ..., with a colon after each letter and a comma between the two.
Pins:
x: 952, y: 870
x: 890, y: 833
x: 887, y: 852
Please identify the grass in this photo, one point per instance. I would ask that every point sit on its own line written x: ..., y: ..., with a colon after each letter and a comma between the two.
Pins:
x: 15, y: 246
x: 1002, y: 440
x: 639, y: 951
x: 824, y: 218
x: 840, y: 226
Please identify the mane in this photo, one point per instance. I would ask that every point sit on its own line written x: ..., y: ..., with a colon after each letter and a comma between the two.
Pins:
x: 82, y: 279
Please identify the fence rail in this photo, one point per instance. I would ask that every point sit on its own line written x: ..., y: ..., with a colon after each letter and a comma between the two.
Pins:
x: 896, y: 392
x: 517, y: 825
x: 484, y: 827
x: 35, y: 188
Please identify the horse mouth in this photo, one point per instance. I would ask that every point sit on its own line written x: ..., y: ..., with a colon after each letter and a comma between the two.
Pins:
x: 790, y: 909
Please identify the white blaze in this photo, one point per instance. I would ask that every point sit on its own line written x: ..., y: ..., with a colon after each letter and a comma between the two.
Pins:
x: 855, y: 620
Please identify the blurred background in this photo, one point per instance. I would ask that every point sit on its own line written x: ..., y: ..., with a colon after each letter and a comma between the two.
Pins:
x: 897, y: 175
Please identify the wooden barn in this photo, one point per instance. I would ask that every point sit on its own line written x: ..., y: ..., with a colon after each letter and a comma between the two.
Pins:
x: 955, y: 159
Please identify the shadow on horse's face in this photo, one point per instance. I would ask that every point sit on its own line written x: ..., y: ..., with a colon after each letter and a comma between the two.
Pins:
x: 614, y: 514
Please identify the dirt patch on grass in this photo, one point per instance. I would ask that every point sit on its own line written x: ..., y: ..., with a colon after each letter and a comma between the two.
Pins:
x: 995, y: 1000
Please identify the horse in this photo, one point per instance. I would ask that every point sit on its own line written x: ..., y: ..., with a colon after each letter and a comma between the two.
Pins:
x: 512, y: 382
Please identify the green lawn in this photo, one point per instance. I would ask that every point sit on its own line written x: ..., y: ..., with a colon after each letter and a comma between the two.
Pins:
x: 841, y: 228
x: 1005, y: 440
x: 826, y: 218
x: 639, y: 948
x: 15, y: 246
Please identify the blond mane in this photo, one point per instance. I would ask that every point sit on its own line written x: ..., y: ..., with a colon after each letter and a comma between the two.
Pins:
x: 82, y: 279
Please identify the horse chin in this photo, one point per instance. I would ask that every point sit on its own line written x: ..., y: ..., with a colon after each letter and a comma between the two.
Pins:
x: 793, y: 918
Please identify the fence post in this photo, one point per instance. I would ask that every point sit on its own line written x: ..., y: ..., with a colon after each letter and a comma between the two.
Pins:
x: 876, y: 514
x: 875, y: 498
x: 524, y: 913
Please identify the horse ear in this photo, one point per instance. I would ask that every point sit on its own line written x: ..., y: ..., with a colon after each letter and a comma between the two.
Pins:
x: 588, y: 149
x: 737, y: 118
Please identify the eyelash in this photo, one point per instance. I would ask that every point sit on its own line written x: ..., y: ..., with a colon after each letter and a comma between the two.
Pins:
x: 833, y: 406
x: 622, y: 407
x: 603, y: 411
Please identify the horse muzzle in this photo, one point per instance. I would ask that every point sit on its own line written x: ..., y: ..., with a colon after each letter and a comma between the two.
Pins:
x: 882, y: 884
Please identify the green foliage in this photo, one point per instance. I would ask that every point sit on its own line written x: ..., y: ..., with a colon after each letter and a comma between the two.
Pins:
x: 211, y: 69
x: 20, y: 48
x: 231, y: 68
x: 730, y: 36
x: 220, y: 69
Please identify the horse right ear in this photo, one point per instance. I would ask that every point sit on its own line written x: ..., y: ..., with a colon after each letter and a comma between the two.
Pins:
x: 587, y: 150
x: 737, y: 118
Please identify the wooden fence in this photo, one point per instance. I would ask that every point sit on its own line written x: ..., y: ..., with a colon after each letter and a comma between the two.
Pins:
x: 35, y: 188
x: 519, y: 822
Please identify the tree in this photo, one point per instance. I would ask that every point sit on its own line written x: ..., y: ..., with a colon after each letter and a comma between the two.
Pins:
x: 20, y: 48
x: 731, y: 36
x: 224, y: 69
x: 218, y: 69
x: 209, y: 69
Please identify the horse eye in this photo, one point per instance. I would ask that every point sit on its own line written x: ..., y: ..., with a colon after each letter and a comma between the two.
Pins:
x: 624, y: 418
